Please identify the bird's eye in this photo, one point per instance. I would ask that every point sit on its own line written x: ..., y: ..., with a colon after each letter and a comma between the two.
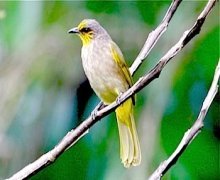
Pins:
x: 85, y: 29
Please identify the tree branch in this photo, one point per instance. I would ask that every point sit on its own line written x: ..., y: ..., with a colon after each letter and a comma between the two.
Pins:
x: 192, y: 132
x: 74, y: 135
x: 154, y: 36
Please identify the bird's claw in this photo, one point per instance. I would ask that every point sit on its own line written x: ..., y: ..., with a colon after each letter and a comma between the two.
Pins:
x: 118, y: 99
x: 97, y: 108
x: 94, y: 114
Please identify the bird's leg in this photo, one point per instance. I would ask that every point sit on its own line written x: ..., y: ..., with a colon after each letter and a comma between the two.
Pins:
x: 97, y: 108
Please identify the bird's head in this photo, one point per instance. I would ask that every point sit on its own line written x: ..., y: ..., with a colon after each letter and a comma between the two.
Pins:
x: 88, y: 29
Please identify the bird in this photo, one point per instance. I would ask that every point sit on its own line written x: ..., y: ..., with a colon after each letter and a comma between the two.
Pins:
x: 109, y: 76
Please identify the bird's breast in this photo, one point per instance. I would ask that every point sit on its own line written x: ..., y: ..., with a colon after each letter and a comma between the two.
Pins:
x: 102, y: 72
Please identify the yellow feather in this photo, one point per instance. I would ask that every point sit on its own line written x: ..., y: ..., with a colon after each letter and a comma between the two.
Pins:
x: 119, y: 59
x: 86, y: 38
x: 130, y: 152
x: 129, y: 144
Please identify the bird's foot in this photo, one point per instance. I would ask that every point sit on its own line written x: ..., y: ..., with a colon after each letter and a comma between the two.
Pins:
x: 118, y: 99
x: 97, y: 108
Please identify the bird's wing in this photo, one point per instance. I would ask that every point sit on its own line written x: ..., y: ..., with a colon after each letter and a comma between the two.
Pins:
x: 119, y: 59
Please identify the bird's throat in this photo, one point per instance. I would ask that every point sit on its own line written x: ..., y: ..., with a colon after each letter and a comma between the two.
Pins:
x: 86, y: 39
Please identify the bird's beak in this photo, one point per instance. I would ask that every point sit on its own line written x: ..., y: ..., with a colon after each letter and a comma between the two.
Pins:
x: 74, y: 30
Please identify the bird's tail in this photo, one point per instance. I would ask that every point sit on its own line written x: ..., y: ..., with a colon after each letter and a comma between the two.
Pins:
x: 130, y: 151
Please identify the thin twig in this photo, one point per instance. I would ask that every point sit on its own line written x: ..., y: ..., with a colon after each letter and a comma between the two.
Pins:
x: 154, y: 36
x: 191, y: 133
x: 74, y: 135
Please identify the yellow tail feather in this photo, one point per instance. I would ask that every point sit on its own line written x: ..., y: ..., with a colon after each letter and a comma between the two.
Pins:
x: 130, y: 151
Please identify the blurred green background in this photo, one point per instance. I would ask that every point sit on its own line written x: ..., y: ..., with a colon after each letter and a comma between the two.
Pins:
x: 44, y: 92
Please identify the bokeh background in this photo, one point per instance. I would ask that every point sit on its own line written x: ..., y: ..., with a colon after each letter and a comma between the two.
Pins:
x: 44, y: 92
